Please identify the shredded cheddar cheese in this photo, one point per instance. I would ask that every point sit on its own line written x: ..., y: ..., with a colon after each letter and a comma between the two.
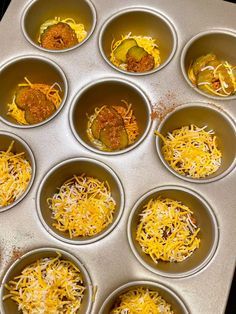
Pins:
x: 128, y: 117
x: 83, y: 207
x: 16, y: 113
x: 146, y: 42
x: 49, y: 285
x: 141, y: 300
x: 191, y: 151
x: 79, y: 29
x: 167, y: 230
x: 51, y: 93
x: 15, y: 175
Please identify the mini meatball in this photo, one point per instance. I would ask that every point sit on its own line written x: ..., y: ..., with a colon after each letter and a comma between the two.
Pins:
x: 58, y: 36
x: 147, y: 63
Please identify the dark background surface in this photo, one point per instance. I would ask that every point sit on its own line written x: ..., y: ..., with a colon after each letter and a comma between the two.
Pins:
x: 231, y: 306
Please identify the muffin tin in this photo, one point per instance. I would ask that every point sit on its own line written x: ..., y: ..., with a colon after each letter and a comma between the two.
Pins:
x: 110, y: 259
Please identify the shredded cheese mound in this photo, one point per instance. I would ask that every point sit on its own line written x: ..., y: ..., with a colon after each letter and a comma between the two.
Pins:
x: 167, y: 230
x: 49, y: 285
x: 51, y: 92
x: 79, y: 29
x: 146, y: 42
x: 129, y: 119
x: 191, y: 151
x: 141, y: 300
x: 83, y: 206
x: 15, y: 175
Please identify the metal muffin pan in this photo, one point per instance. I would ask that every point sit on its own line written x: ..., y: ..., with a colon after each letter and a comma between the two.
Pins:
x: 110, y: 261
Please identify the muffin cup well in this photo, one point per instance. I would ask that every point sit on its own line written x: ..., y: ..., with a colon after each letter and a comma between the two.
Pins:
x: 139, y: 22
x: 19, y: 146
x: 38, y: 11
x: 9, y: 306
x: 38, y: 70
x: 170, y: 296
x: 65, y: 170
x: 206, y: 221
x: 220, y: 42
x: 109, y: 91
x: 201, y: 115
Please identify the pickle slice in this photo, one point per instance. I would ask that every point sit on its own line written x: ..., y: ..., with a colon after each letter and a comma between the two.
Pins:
x: 137, y: 53
x: 114, y: 138
x: 96, y: 128
x: 121, y: 51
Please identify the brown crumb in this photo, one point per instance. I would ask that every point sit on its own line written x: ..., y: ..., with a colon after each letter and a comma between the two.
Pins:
x: 16, y: 253
x: 165, y: 105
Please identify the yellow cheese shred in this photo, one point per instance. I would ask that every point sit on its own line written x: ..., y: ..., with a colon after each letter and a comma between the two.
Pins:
x: 49, y: 285
x: 145, y: 42
x: 83, y: 206
x: 191, y: 151
x: 167, y: 230
x: 141, y: 300
x: 15, y: 175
